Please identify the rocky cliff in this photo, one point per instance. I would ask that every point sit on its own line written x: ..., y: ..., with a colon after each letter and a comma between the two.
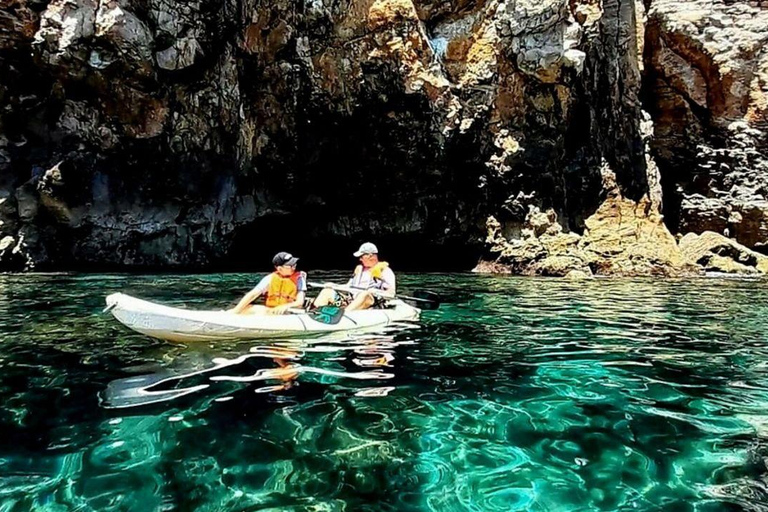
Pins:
x: 548, y: 136
x: 706, y: 87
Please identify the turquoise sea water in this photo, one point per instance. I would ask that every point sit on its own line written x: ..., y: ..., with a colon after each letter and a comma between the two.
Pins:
x: 518, y: 394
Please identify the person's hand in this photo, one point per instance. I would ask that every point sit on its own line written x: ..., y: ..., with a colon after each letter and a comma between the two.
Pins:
x: 279, y: 310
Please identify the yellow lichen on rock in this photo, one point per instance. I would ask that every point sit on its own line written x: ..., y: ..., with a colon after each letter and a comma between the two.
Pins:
x: 480, y: 59
x: 386, y: 12
x: 622, y: 237
x: 627, y: 238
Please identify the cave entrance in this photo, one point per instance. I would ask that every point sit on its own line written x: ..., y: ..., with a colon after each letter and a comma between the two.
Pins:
x: 255, y: 245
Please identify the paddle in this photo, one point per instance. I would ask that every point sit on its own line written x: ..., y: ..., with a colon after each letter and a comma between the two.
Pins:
x: 423, y: 299
x: 431, y: 300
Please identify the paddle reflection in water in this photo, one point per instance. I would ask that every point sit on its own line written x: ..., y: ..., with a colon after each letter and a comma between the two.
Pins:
x: 279, y: 366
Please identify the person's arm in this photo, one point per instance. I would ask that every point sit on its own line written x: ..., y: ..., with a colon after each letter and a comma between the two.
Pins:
x: 251, y: 296
x: 389, y: 286
x: 298, y: 303
x: 302, y: 286
x: 355, y: 276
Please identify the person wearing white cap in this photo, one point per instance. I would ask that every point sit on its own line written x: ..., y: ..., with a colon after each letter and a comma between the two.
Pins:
x: 371, y: 274
x: 283, y: 289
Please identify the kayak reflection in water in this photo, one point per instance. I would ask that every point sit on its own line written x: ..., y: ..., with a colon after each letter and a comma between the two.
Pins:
x: 283, y: 289
x: 371, y: 274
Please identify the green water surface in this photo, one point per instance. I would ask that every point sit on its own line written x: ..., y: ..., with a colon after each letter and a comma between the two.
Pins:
x: 517, y: 394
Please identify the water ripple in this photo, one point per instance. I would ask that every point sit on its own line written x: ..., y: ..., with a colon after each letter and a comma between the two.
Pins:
x: 518, y: 394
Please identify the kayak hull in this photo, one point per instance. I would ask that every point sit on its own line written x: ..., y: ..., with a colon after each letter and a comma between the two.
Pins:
x: 184, y: 325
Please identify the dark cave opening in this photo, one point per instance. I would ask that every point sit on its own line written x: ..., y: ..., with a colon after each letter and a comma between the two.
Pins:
x: 255, y: 245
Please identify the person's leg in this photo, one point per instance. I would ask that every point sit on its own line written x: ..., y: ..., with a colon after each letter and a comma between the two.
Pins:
x: 364, y: 300
x: 255, y: 309
x: 325, y: 297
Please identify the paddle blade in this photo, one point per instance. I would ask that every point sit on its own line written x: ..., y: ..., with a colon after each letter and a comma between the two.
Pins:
x: 329, y: 315
x: 427, y: 295
x: 423, y: 299
x: 425, y: 305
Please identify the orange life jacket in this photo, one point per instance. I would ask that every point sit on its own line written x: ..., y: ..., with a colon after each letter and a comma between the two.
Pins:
x: 282, y: 290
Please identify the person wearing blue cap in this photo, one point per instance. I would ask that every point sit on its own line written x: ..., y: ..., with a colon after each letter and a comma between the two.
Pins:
x: 283, y: 289
x: 371, y: 274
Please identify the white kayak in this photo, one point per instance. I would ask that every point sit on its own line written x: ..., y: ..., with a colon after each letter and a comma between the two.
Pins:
x: 184, y: 325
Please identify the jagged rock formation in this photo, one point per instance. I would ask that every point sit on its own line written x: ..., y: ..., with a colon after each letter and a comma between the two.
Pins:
x: 168, y: 133
x: 623, y: 237
x: 707, y: 88
x: 716, y: 253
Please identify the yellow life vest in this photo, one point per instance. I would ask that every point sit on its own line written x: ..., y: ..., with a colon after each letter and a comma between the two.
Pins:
x: 282, y: 290
x: 375, y: 270
x: 378, y: 268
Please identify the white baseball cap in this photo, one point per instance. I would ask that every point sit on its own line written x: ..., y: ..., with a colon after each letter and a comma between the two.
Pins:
x: 366, y: 248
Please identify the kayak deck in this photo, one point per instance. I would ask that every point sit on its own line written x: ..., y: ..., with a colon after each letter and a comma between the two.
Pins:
x: 185, y: 325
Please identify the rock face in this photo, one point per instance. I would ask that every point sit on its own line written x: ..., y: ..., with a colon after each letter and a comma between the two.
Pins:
x: 194, y: 134
x: 707, y: 88
x: 623, y: 237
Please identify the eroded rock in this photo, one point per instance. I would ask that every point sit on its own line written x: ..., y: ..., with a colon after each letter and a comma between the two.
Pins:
x: 706, y: 75
x: 171, y: 133
x: 716, y: 253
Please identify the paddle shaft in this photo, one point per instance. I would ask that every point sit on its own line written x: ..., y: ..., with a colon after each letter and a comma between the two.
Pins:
x: 378, y: 293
